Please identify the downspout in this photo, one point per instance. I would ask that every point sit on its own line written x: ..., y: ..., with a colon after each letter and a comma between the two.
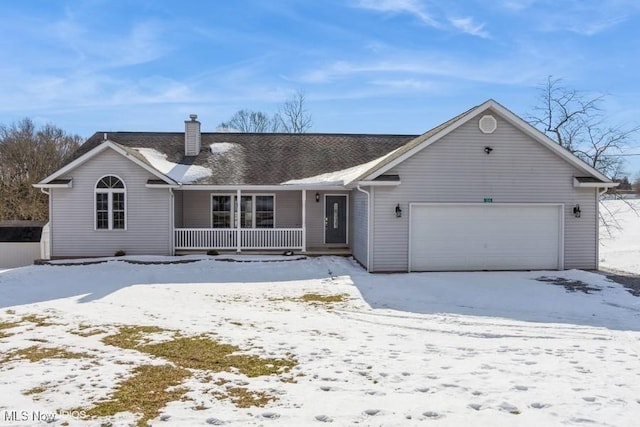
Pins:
x: 368, y: 225
x: 172, y: 220
x: 599, y: 193
x: 238, y: 212
x: 48, y: 193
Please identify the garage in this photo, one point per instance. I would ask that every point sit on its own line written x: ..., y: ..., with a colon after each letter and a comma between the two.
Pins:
x: 487, y: 236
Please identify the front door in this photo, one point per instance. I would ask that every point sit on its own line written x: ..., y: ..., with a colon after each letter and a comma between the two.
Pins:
x: 335, y: 219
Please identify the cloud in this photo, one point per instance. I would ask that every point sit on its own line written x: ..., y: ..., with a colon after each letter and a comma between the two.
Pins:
x: 412, y: 7
x: 468, y: 26
x: 435, y: 18
x: 581, y: 17
x: 413, y: 67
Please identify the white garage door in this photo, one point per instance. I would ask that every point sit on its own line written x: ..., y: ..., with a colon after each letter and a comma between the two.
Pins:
x: 485, y: 236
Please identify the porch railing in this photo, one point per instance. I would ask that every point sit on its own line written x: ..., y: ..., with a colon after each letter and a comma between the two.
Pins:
x: 226, y: 238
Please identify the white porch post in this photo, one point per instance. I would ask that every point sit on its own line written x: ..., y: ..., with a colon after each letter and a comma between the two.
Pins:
x: 304, y: 221
x: 238, y: 212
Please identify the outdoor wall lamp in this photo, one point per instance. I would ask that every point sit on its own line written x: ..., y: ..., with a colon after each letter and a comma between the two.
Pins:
x: 317, y: 197
x: 576, y: 211
x: 398, y: 211
x: 488, y: 150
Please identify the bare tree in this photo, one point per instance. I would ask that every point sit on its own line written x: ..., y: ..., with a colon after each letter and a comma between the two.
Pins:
x: 576, y: 122
x: 292, y: 117
x: 27, y: 155
x: 249, y: 121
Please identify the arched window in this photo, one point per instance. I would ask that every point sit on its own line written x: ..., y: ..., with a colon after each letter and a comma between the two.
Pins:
x: 110, y: 204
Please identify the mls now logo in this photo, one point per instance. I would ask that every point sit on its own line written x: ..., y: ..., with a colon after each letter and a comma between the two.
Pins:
x: 29, y: 416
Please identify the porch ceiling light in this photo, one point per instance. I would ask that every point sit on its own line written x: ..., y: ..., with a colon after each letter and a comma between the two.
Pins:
x: 317, y: 197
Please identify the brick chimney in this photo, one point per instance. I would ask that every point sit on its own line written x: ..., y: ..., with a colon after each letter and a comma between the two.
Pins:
x: 192, y: 136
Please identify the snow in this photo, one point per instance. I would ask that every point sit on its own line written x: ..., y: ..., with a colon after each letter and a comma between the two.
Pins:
x: 341, y: 177
x: 620, y: 243
x: 484, y: 348
x: 221, y: 147
x: 177, y: 172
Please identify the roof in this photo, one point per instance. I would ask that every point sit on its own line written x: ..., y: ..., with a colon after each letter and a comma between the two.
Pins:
x: 256, y: 159
x: 21, y: 231
x: 271, y: 159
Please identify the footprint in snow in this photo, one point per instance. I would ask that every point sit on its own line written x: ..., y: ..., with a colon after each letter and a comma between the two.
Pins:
x: 521, y: 388
x: 270, y: 415
x: 589, y: 399
x: 475, y: 406
x: 432, y: 415
x: 324, y: 419
x: 214, y: 421
x: 538, y: 405
x: 325, y: 388
x: 372, y: 412
x: 423, y: 389
x: 375, y: 393
x: 508, y: 407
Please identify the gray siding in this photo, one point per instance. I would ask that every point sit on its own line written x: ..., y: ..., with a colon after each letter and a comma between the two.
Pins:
x: 315, y: 220
x: 177, y: 208
x: 196, y: 207
x: 456, y: 169
x: 359, y: 215
x: 72, y: 215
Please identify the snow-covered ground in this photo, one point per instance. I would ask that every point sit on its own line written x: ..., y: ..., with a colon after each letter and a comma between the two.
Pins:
x: 620, y: 236
x: 448, y: 349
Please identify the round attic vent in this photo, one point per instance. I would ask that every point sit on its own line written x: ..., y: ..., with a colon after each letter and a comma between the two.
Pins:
x: 488, y: 124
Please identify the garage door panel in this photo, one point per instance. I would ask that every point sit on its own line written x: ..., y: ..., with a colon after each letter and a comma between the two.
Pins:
x: 485, y: 237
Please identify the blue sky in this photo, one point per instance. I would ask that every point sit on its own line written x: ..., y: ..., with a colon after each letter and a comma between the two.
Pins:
x: 366, y: 66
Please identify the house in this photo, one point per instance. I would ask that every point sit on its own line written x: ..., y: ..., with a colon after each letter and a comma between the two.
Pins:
x: 482, y: 191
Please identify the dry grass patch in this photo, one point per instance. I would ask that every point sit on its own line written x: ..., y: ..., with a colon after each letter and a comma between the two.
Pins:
x: 37, y: 390
x: 87, y: 331
x: 207, y: 354
x: 36, y: 353
x: 199, y: 352
x: 7, y: 325
x: 37, y: 320
x: 132, y: 337
x: 146, y: 392
x: 321, y: 299
x: 244, y: 398
x: 316, y: 299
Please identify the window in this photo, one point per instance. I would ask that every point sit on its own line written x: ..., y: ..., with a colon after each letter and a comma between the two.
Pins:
x: 256, y: 211
x: 264, y: 212
x: 221, y: 211
x: 110, y: 204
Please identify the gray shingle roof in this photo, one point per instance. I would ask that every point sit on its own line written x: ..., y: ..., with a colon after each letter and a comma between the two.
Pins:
x: 261, y: 159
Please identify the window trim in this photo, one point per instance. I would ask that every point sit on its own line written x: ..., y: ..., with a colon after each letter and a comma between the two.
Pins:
x: 234, y: 203
x: 109, y: 192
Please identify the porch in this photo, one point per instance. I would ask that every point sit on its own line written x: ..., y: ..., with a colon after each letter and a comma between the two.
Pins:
x: 238, y: 239
x: 261, y: 220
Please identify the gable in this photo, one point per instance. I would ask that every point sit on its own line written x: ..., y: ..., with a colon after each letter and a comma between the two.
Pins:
x: 97, y: 150
x: 107, y: 162
x: 458, y: 165
x: 472, y: 116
